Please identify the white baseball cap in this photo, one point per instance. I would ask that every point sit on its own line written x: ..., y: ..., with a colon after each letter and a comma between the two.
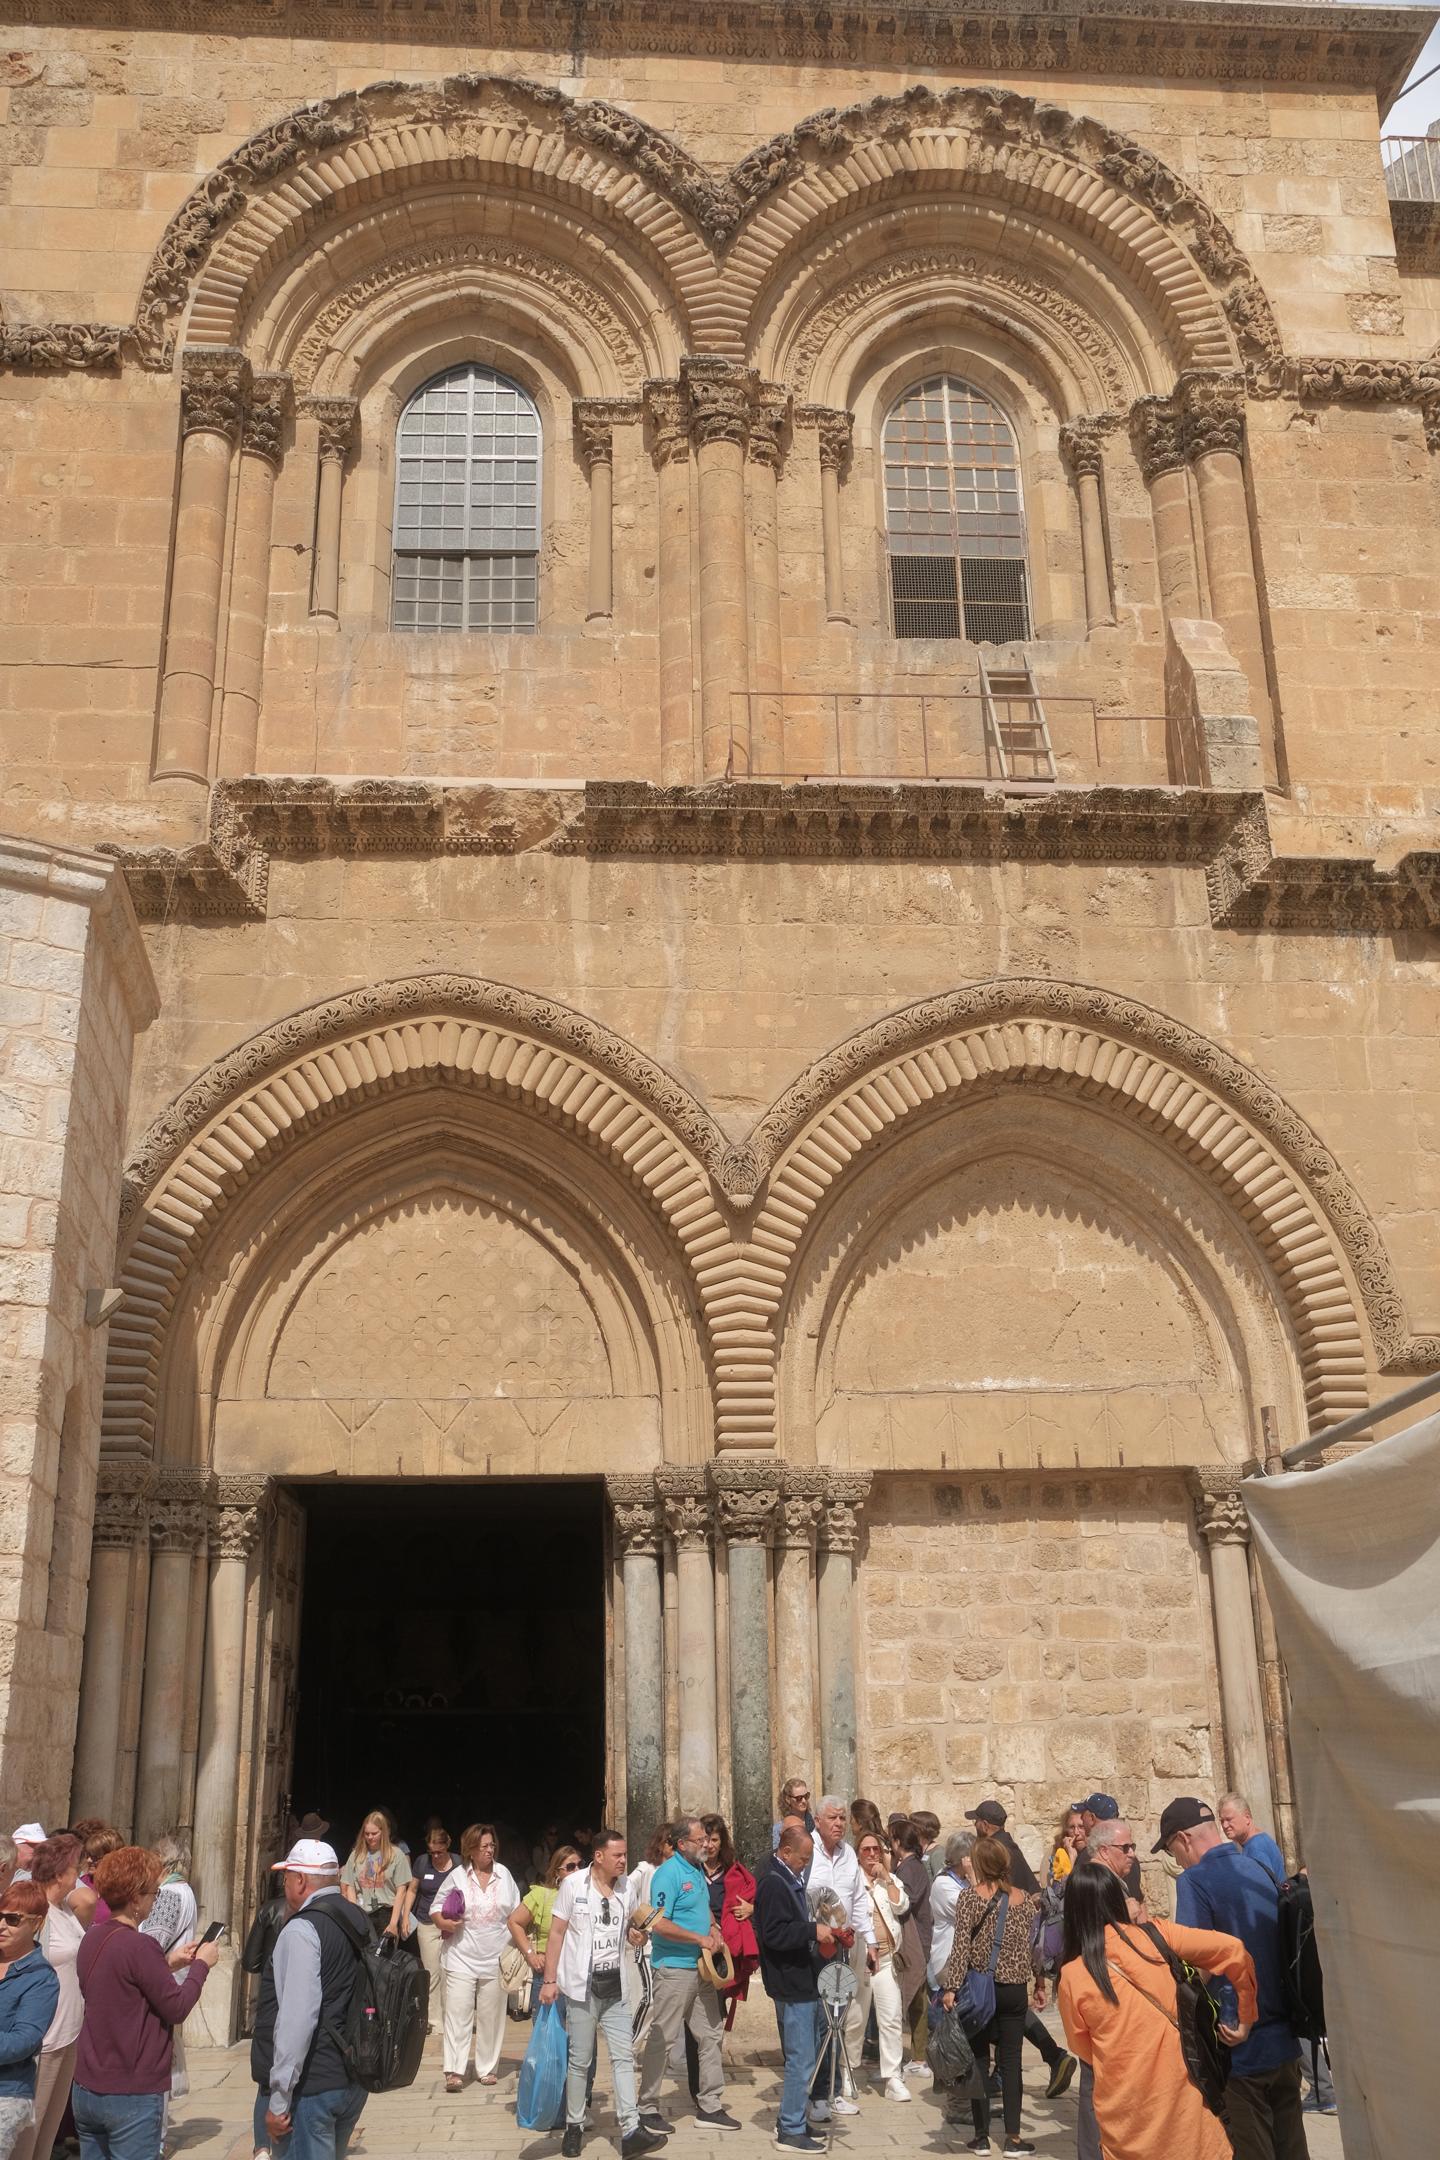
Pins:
x: 307, y: 1856
x: 29, y: 1833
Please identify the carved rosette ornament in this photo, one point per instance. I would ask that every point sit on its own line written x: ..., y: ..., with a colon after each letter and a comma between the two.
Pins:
x: 768, y: 422
x: 338, y: 421
x: 122, y: 1507
x: 241, y: 1511
x: 798, y: 1521
x: 688, y: 1508
x: 1082, y: 444
x: 1214, y: 412
x: 667, y: 410
x: 721, y: 395
x: 846, y: 1492
x: 1159, y: 434
x: 1220, y: 1513
x: 638, y: 1527
x: 214, y: 384
x: 747, y: 1496
x: 180, y: 1511
x: 262, y: 431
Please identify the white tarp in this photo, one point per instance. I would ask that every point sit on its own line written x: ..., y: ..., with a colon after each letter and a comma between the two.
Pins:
x: 1350, y: 1557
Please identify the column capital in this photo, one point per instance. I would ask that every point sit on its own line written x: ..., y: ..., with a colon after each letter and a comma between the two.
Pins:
x: 122, y: 1506
x: 1219, y: 1503
x: 1082, y: 443
x: 846, y: 1492
x: 1213, y: 406
x: 667, y: 409
x: 747, y: 1495
x: 338, y: 419
x: 180, y: 1510
x: 834, y: 431
x: 637, y: 1513
x: 596, y: 420
x: 801, y: 1500
x: 262, y: 431
x: 688, y: 1507
x: 768, y: 419
x: 241, y: 1506
x: 721, y: 395
x: 214, y: 383
x: 1159, y: 435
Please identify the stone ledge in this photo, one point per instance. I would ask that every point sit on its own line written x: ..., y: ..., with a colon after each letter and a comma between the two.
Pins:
x: 1416, y: 226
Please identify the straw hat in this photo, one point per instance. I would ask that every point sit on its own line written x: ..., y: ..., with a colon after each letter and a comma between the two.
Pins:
x: 718, y: 1967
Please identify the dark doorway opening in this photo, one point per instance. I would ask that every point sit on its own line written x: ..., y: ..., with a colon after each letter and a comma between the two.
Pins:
x: 452, y: 1658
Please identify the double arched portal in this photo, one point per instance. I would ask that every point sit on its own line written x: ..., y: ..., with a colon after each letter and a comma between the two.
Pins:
x: 448, y: 1235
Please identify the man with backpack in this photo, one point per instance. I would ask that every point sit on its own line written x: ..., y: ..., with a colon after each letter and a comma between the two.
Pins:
x: 297, y: 2053
x: 1222, y: 1888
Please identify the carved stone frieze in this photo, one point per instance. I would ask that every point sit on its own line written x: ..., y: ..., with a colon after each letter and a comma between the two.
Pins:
x: 262, y: 431
x: 1347, y: 381
x: 122, y: 1506
x: 596, y: 420
x: 688, y: 1505
x: 214, y: 384
x: 42, y: 346
x: 1213, y: 410
x: 720, y: 397
x: 1158, y: 431
x: 337, y: 420
x: 769, y: 419
x: 834, y: 434
x: 1219, y: 1502
x: 846, y: 1492
x: 747, y: 1497
x: 633, y: 1502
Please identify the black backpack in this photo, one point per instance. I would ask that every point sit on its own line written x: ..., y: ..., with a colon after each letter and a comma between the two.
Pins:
x: 1300, y: 1973
x: 383, y: 2036
x: 1197, y: 2021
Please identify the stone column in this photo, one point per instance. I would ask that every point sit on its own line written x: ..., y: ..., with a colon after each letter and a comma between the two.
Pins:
x: 668, y: 410
x: 720, y: 394
x: 235, y: 1526
x: 262, y: 437
x: 1082, y: 446
x: 638, y: 1533
x: 834, y: 432
x: 213, y: 384
x: 337, y: 419
x: 747, y: 1495
x: 1214, y: 413
x: 844, y: 1496
x: 1225, y: 1527
x: 764, y: 748
x: 595, y: 435
x: 795, y: 1527
x: 685, y: 1497
x: 1159, y: 433
x: 121, y: 1544
x: 178, y: 1530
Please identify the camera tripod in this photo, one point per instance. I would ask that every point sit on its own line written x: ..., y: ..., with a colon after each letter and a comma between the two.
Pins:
x: 832, y: 2066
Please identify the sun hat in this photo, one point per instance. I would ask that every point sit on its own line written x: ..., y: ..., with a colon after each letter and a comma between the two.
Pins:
x: 307, y: 1856
x: 718, y: 1966
x: 29, y: 1833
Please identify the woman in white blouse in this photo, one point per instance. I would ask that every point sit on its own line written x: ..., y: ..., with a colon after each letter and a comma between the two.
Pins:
x: 56, y: 1869
x: 889, y: 1903
x: 471, y: 1908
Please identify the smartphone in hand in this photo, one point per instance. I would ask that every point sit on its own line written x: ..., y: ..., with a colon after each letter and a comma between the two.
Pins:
x: 214, y: 1932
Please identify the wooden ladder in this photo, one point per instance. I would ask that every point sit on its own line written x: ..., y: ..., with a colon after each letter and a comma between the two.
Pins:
x: 1015, y: 723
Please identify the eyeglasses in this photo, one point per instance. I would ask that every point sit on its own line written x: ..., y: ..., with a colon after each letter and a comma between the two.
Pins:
x: 569, y: 1867
x: 801, y: 1796
x: 15, y: 1919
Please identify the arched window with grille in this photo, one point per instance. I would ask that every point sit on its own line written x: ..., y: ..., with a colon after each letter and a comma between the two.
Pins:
x: 955, y: 516
x: 467, y: 505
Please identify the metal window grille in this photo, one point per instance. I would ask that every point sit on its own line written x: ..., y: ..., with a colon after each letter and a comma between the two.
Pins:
x: 467, y: 506
x: 955, y: 516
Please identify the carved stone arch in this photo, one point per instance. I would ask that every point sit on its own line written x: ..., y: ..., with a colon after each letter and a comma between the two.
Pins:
x: 1071, y: 172
x: 251, y: 1108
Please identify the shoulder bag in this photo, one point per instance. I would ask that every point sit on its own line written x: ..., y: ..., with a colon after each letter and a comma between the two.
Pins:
x: 1197, y: 2024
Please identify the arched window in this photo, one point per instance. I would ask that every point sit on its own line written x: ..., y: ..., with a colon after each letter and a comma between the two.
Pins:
x: 954, y: 515
x: 467, y: 505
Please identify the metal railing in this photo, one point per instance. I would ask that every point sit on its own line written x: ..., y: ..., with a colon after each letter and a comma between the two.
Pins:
x: 1412, y: 167
x: 887, y: 735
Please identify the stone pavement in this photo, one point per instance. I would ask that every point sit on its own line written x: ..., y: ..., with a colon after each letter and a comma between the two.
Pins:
x: 213, y: 2122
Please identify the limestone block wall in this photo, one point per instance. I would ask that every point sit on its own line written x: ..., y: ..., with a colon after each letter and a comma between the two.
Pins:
x: 74, y: 992
x: 1029, y: 1638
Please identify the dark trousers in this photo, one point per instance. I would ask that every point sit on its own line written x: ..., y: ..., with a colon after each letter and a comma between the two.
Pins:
x: 1007, y: 2036
x: 1040, y: 2036
x: 1087, y: 2130
x: 1262, y: 2114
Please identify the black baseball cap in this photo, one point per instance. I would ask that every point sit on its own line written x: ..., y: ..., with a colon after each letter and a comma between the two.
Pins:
x: 1181, y: 1815
x: 988, y: 1811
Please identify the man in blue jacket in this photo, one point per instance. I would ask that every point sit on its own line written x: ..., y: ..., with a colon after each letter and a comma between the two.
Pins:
x: 1222, y: 1888
x: 789, y: 1940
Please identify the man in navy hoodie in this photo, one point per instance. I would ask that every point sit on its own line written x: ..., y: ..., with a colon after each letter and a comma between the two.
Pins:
x: 789, y: 1941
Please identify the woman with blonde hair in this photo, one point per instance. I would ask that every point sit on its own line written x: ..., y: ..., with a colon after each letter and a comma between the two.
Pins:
x: 1067, y: 1845
x: 377, y: 1875
x: 472, y: 1909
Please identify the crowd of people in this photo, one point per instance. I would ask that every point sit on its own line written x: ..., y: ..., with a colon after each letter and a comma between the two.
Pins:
x: 101, y: 1965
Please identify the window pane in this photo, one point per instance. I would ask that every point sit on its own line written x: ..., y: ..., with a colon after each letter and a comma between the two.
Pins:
x: 467, y: 497
x: 952, y: 489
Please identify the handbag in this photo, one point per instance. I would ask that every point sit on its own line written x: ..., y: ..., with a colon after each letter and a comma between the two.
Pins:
x: 515, y: 1970
x: 975, y: 1996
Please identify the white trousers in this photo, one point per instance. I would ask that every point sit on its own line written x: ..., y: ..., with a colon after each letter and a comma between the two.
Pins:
x: 883, y: 1989
x: 473, y: 2005
x: 432, y: 1942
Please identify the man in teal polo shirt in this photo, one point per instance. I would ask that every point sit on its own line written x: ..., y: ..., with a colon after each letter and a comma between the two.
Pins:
x: 684, y: 1926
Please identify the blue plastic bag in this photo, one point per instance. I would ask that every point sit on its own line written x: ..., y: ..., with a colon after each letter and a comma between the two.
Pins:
x: 540, y: 2100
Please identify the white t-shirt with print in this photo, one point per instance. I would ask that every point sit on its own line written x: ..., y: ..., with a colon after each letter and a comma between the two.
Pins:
x: 589, y: 1944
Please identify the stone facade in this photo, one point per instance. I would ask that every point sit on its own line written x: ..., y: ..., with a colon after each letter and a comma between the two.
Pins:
x: 683, y: 1044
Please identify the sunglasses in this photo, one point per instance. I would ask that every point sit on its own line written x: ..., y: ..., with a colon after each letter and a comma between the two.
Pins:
x: 1125, y: 1848
x: 570, y: 1867
x: 15, y: 1919
x: 604, y: 1912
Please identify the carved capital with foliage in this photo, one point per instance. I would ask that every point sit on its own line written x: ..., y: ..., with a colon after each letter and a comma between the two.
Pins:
x: 834, y: 433
x: 801, y: 1501
x: 1219, y: 1500
x: 262, y: 431
x: 638, y: 1527
x: 1082, y: 444
x: 1159, y: 434
x: 769, y: 419
x: 214, y: 384
x: 1214, y: 410
x: 668, y: 411
x: 846, y: 1492
x: 747, y: 1495
x: 338, y: 421
x: 721, y: 396
x: 122, y: 1506
x: 180, y: 1510
x: 596, y: 420
x: 688, y: 1507
x: 240, y: 1513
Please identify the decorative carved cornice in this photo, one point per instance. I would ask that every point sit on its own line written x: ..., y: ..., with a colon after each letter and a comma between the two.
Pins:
x: 214, y: 383
x: 720, y: 394
x: 596, y: 420
x: 846, y: 1492
x: 1319, y: 379
x: 1416, y: 227
x: 1082, y: 443
x: 122, y: 1506
x: 180, y: 1510
x: 1213, y: 410
x: 338, y: 422
x: 801, y: 1501
x: 1219, y: 1502
x: 31, y: 347
x: 747, y: 1496
x: 262, y: 431
x: 1158, y: 432
x: 688, y: 1507
x: 638, y: 1527
x: 223, y: 878
x: 834, y: 432
x: 769, y: 419
x: 668, y: 411
x: 240, y: 1512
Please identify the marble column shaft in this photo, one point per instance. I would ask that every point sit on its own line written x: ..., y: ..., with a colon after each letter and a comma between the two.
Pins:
x: 121, y: 1539
x: 747, y: 1494
x: 845, y: 1493
x: 213, y: 384
x: 685, y: 1497
x: 638, y: 1533
x: 235, y: 1529
x: 178, y: 1533
x: 795, y: 1531
x: 1224, y: 1525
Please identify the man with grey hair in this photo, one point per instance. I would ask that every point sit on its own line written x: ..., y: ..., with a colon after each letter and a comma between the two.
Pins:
x: 295, y: 2059
x: 835, y: 1874
x: 948, y: 1885
x: 1240, y: 1826
x: 683, y: 1926
x: 1113, y: 1845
